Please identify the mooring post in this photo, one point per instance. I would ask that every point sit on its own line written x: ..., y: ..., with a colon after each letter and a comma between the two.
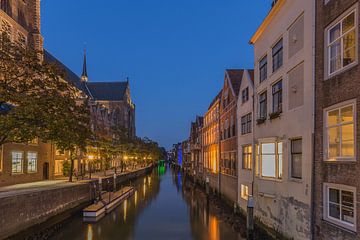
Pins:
x: 100, y: 187
x: 207, y: 186
x: 114, y: 182
x: 250, y: 218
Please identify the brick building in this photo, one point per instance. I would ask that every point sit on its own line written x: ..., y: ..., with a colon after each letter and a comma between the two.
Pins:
x: 33, y: 161
x: 337, y: 74
x: 211, y: 143
x: 228, y: 134
x: 197, y: 168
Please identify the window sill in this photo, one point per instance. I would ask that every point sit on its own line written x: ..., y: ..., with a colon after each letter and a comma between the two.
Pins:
x: 16, y: 174
x: 296, y: 180
x: 340, y: 71
x: 260, y: 121
x: 341, y: 160
x: 270, y: 179
x: 275, y: 115
x: 342, y: 226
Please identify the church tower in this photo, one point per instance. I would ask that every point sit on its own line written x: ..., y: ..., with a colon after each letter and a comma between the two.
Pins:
x: 84, y: 75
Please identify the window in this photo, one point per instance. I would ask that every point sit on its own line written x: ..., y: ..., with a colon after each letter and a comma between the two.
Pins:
x: 263, y: 103
x: 247, y: 156
x: 246, y: 124
x: 244, y: 192
x: 245, y: 95
x: 340, y: 133
x: 296, y: 158
x: 32, y: 162
x: 342, y: 43
x: 339, y: 205
x: 271, y: 160
x: 277, y: 55
x: 277, y: 97
x: 17, y: 162
x: 263, y: 68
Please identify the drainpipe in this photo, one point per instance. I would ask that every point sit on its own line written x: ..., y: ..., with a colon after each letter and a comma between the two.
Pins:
x: 312, y: 207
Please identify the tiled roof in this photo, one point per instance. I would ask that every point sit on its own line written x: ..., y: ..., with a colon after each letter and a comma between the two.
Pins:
x: 107, y: 91
x: 70, y: 76
x: 235, y: 76
x: 215, y: 99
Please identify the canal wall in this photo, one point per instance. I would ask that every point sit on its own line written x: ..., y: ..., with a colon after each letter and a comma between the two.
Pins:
x: 34, y: 211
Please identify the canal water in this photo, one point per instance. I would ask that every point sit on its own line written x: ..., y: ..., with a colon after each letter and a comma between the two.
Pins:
x: 161, y: 208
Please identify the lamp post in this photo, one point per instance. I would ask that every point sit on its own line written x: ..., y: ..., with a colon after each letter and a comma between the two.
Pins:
x: 90, y: 158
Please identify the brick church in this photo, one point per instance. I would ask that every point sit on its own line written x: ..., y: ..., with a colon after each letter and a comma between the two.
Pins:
x: 110, y: 103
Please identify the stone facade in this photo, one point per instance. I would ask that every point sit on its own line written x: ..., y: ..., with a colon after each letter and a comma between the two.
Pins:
x: 284, y: 100
x: 337, y: 92
x: 245, y: 120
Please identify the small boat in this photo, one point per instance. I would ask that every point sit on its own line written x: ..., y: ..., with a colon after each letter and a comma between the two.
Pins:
x: 108, y: 202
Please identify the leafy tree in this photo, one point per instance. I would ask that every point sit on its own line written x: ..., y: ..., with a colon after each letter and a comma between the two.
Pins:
x: 43, y: 104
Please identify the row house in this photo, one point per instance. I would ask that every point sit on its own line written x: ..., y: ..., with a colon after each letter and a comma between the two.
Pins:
x: 284, y: 113
x: 195, y: 148
x: 245, y: 120
x: 211, y: 143
x: 228, y: 134
x: 337, y: 74
x: 186, y: 156
x: 32, y: 161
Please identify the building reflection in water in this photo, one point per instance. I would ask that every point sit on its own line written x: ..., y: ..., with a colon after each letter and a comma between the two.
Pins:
x: 192, y: 218
x: 89, y: 232
x: 125, y: 209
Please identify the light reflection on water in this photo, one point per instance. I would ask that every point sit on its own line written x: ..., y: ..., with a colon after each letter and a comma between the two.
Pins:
x: 160, y: 208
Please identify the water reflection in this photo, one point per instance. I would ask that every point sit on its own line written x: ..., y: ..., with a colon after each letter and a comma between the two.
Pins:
x: 162, y: 207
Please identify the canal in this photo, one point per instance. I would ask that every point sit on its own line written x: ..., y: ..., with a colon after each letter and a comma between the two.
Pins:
x: 161, y: 208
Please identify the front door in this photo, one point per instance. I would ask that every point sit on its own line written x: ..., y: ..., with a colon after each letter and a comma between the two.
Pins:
x: 46, y: 171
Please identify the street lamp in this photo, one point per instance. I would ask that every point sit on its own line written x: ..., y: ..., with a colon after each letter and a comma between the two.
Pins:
x: 90, y: 158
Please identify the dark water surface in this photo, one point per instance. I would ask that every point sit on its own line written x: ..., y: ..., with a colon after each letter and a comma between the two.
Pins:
x: 161, y: 208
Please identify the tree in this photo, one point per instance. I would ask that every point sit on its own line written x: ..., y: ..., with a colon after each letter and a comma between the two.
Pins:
x: 42, y: 104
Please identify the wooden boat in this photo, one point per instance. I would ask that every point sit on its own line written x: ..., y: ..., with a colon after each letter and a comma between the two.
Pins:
x: 108, y: 202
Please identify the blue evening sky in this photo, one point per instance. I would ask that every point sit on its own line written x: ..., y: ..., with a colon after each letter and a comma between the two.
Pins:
x: 174, y: 51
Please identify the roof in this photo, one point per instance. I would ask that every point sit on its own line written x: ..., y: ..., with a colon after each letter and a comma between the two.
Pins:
x: 108, y: 91
x: 215, y: 99
x: 274, y: 10
x: 235, y: 76
x: 70, y: 76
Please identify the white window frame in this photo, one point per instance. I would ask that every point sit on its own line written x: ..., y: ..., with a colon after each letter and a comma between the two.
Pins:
x: 278, y: 169
x: 36, y: 162
x: 351, y: 10
x: 327, y: 217
x: 325, y: 130
x: 21, y: 163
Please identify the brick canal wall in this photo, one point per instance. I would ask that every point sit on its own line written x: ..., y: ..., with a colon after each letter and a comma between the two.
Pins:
x: 31, y: 210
